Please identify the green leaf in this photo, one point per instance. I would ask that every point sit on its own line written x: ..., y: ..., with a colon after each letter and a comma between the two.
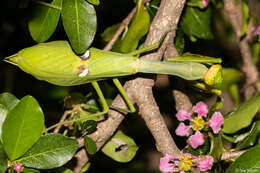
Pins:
x: 90, y: 145
x: 243, y: 116
x: 138, y: 28
x: 120, y: 148
x: 3, y: 113
x: 80, y: 23
x: 89, y: 126
x: 253, y: 136
x: 22, y: 127
x: 50, y: 151
x: 248, y: 162
x: 27, y: 170
x: 8, y: 100
x: 179, y: 41
x: 44, y: 20
x: 3, y: 159
x: 109, y: 32
x: 245, y: 11
x: 196, y: 22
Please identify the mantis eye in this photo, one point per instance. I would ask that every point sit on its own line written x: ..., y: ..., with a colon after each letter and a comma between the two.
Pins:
x: 85, y: 56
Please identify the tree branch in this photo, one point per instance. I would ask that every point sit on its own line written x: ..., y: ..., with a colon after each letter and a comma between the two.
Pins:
x: 234, y: 13
x: 140, y: 89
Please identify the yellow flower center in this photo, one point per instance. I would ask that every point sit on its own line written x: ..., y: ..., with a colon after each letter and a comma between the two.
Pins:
x: 198, y: 123
x: 185, y: 163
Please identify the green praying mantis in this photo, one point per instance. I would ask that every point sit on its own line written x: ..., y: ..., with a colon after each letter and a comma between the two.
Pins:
x: 56, y: 63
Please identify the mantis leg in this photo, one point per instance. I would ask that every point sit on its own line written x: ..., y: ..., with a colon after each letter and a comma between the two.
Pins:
x: 103, y: 102
x: 125, y: 97
x: 153, y: 46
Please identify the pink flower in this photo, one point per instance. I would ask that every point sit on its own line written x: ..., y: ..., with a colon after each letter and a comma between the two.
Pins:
x: 206, y: 163
x: 205, y: 3
x: 201, y: 108
x: 256, y: 30
x: 216, y: 121
x: 183, y: 115
x: 196, y: 140
x: 182, y: 130
x: 165, y: 163
x: 18, y: 167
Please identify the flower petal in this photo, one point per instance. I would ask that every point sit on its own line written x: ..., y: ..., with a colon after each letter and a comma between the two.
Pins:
x: 165, y: 163
x: 183, y: 115
x: 201, y: 109
x: 196, y: 140
x: 182, y: 130
x: 216, y: 121
x: 206, y: 163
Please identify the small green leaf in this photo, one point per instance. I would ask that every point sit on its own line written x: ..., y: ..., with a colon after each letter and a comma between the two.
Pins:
x: 247, y: 162
x: 80, y: 23
x: 253, y: 136
x: 27, y: 170
x: 22, y: 127
x: 234, y: 93
x: 243, y: 116
x: 218, y: 104
x: 50, y: 151
x: 179, y: 41
x: 138, y: 28
x: 44, y: 20
x: 217, y: 147
x: 196, y: 22
x: 3, y: 159
x: 90, y: 145
x: 121, y: 148
x: 230, y: 76
x: 3, y: 113
x: 8, y: 100
x: 94, y: 2
x: 89, y: 126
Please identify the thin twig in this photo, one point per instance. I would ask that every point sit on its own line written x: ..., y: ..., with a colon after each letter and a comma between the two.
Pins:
x: 63, y: 118
x: 124, y: 23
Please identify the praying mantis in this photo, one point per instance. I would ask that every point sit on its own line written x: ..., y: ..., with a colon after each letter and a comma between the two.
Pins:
x: 56, y: 63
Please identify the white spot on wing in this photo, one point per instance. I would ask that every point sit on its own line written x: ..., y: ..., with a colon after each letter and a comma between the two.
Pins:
x: 83, y: 73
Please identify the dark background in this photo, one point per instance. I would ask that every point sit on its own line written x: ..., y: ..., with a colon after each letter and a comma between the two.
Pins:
x: 14, y: 36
